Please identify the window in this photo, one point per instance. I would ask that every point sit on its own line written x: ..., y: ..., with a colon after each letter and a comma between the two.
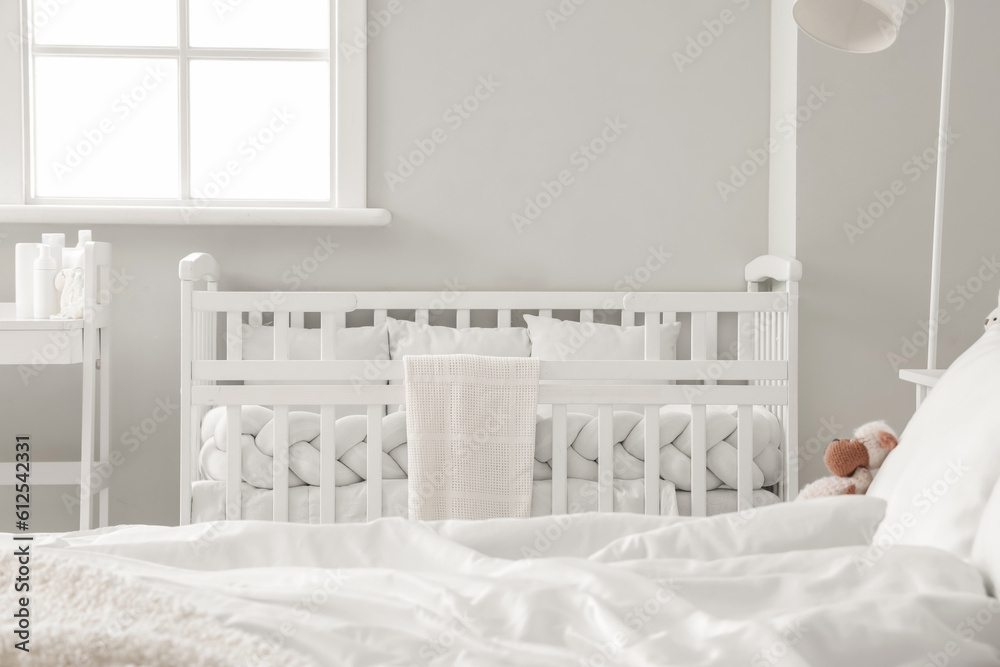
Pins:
x: 188, y: 111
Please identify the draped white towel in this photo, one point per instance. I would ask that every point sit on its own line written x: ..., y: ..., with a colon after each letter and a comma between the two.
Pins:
x: 470, y: 429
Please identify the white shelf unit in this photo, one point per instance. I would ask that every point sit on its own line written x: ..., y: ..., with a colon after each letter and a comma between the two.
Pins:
x: 86, y: 341
x: 923, y: 378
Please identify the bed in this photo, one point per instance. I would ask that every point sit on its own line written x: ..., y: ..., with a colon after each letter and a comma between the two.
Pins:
x: 783, y: 587
x: 309, y: 384
x: 905, y: 575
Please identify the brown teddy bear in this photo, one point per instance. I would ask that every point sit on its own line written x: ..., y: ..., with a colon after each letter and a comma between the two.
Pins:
x: 853, y: 462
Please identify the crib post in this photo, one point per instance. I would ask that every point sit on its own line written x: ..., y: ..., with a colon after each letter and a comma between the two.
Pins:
x: 197, y: 333
x: 188, y: 431
x: 791, y: 445
x: 783, y: 272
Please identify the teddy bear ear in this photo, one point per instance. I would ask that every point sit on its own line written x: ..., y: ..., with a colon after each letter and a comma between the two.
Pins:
x: 843, y: 457
x: 887, y: 440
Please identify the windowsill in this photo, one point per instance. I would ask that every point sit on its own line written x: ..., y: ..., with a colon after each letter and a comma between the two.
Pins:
x: 204, y: 216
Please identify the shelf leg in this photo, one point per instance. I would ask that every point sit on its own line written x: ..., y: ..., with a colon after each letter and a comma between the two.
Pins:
x: 104, y: 423
x: 87, y: 429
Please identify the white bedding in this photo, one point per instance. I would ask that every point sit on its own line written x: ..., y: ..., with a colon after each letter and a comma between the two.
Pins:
x: 795, y: 584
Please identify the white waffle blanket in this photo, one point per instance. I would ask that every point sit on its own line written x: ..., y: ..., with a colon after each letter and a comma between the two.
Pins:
x: 470, y: 430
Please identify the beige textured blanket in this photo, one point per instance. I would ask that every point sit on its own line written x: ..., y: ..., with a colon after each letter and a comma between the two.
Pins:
x: 470, y: 429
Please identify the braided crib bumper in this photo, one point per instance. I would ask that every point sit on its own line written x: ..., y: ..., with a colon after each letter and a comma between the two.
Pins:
x: 257, y: 447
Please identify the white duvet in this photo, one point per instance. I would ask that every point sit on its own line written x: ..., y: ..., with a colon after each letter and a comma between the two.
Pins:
x: 793, y: 584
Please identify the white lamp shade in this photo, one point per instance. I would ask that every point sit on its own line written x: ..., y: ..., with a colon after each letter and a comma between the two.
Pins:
x: 858, y: 26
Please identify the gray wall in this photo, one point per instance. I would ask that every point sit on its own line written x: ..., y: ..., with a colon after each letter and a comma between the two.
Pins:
x: 862, y: 300
x: 655, y: 186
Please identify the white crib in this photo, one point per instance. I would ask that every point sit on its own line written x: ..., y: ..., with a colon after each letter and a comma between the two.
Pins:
x: 761, y: 369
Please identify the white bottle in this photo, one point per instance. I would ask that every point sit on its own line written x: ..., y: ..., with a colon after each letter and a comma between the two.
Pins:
x: 46, y: 304
x: 73, y: 257
x: 56, y: 242
x: 25, y: 255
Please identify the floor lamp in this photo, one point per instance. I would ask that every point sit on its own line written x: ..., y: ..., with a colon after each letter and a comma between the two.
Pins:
x: 867, y: 26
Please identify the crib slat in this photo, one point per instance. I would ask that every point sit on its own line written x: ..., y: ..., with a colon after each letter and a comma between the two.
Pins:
x: 328, y: 464
x: 328, y: 323
x: 652, y: 460
x: 782, y: 344
x: 422, y: 316
x: 699, y: 445
x: 586, y: 316
x: 374, y: 462
x: 669, y: 318
x: 327, y: 337
x: 234, y: 336
x: 745, y: 336
x: 255, y: 318
x: 545, y: 312
x: 380, y: 316
x: 463, y: 319
x: 758, y: 320
x: 744, y: 457
x: 281, y: 336
x: 652, y: 327
x: 605, y: 461
x: 712, y: 336
x: 503, y: 319
x: 559, y: 451
x: 699, y: 348
x: 234, y: 462
x: 298, y: 320
x: 628, y: 318
x: 772, y: 344
x: 280, y: 463
x: 772, y: 334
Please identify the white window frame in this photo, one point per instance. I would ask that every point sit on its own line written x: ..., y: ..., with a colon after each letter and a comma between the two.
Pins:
x: 348, y: 134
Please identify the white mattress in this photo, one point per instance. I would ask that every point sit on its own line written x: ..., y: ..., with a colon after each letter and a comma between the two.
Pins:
x: 209, y: 500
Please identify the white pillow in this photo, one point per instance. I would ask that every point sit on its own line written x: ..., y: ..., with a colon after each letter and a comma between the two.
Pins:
x: 412, y: 338
x: 352, y: 344
x: 559, y: 340
x: 986, y: 547
x: 938, y: 480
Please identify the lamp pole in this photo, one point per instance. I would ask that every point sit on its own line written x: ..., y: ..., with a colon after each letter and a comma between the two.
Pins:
x: 942, y: 168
